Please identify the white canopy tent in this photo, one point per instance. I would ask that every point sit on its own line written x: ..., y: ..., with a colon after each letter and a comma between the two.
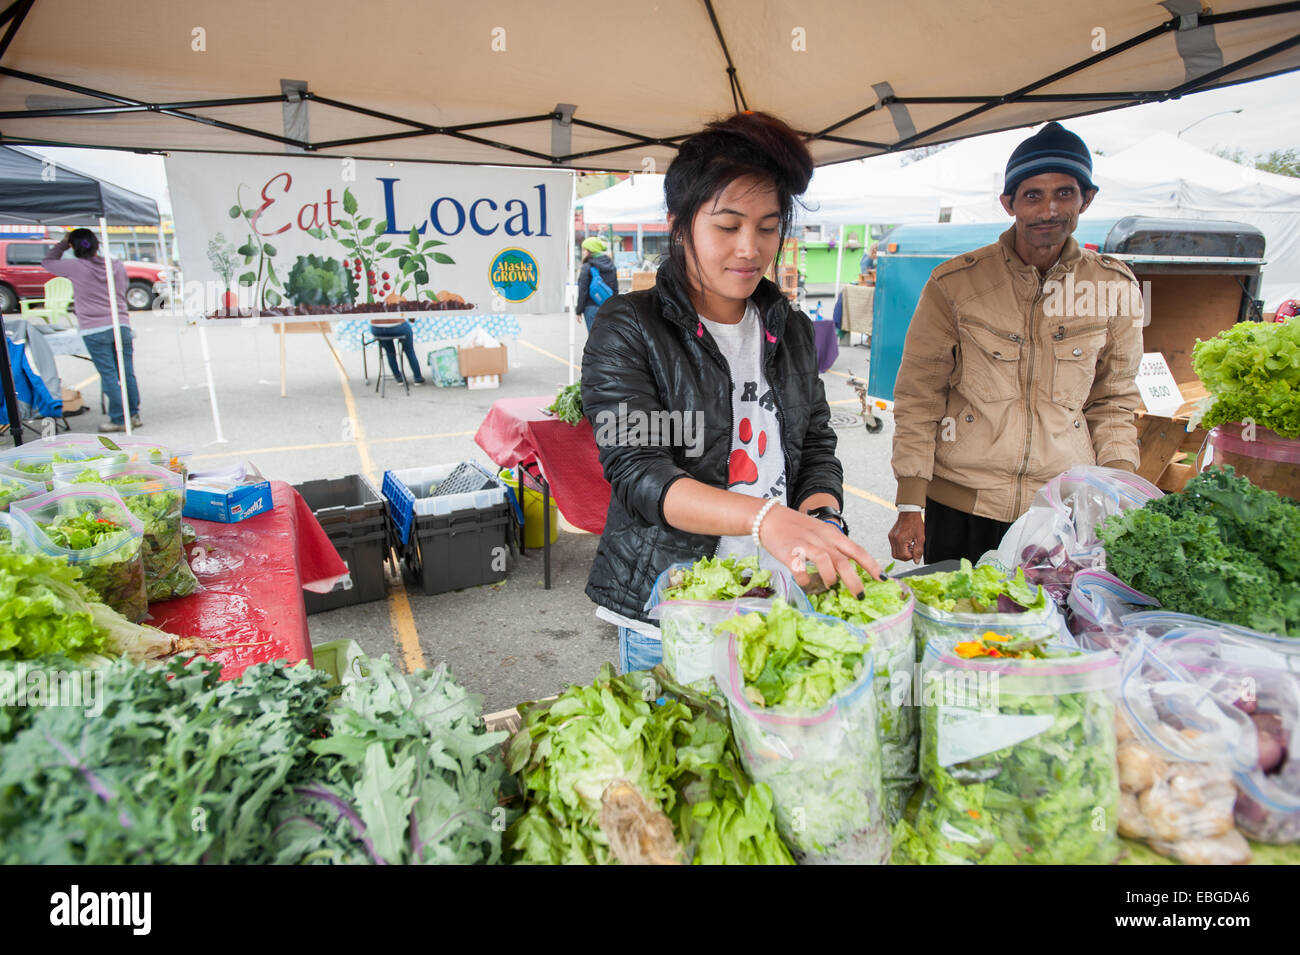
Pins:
x: 637, y: 199
x: 1199, y: 185
x: 1161, y: 176
x: 499, y: 81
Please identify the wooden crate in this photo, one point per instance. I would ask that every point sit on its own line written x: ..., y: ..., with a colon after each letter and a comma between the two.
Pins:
x: 1168, y: 451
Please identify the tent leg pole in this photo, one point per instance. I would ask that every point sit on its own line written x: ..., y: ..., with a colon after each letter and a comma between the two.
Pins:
x: 839, y: 264
x: 284, y: 391
x: 212, y: 388
x: 10, y: 393
x: 117, y: 323
x: 570, y: 304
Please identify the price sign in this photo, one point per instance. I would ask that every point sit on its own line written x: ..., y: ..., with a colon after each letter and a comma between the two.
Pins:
x: 1156, y: 384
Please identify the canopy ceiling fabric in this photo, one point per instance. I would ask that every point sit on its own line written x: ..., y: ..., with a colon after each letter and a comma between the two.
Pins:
x: 33, y: 190
x: 485, y: 82
x: 851, y: 192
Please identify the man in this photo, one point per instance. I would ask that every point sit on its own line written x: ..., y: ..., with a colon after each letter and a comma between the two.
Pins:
x: 594, y: 261
x: 1006, y: 381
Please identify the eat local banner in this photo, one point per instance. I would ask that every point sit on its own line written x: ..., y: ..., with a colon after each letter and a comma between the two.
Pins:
x: 332, y: 235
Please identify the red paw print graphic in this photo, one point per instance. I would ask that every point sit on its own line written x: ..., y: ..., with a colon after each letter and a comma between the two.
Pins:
x: 743, y: 470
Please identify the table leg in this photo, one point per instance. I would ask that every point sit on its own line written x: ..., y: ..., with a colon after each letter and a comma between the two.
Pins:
x: 546, y: 529
x: 283, y: 389
x: 523, y: 530
x: 330, y: 345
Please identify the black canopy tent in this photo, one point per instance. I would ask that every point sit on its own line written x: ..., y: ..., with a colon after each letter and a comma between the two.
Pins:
x: 35, y: 190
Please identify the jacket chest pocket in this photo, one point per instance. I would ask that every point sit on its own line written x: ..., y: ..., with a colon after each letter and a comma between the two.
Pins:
x: 990, y: 363
x: 1074, y: 366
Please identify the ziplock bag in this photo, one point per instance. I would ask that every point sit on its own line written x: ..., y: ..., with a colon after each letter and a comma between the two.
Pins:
x: 822, y: 766
x: 156, y: 496
x: 1268, y: 798
x: 15, y: 489
x: 90, y: 528
x: 686, y: 627
x: 1017, y: 761
x: 1179, y: 748
x: 1057, y: 537
x: 1096, y: 607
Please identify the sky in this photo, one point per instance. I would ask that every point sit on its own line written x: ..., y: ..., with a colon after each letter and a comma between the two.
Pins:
x: 1269, y: 120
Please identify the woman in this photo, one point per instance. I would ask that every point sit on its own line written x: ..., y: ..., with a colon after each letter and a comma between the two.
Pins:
x: 95, y: 319
x: 594, y: 259
x: 716, y: 347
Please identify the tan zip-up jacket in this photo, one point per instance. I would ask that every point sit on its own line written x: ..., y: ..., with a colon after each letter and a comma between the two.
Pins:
x: 1010, y: 377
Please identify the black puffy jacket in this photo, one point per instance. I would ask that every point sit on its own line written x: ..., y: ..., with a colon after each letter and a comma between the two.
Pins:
x: 650, y: 352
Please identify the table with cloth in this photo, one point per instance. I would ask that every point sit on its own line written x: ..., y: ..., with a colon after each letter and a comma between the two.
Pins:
x: 253, y: 574
x: 826, y: 340
x: 430, y: 327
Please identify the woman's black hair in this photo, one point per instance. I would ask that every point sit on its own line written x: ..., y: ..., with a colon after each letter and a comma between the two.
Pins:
x: 744, y: 144
x: 84, y: 243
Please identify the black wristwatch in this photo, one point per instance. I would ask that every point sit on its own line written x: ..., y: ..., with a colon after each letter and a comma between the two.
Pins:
x: 831, y: 515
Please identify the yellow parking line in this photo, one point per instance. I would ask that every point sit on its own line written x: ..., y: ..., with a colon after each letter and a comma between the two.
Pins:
x: 87, y: 383
x: 844, y: 401
x: 870, y: 497
x: 330, y: 444
x: 405, y: 633
x: 552, y: 355
x: 840, y: 373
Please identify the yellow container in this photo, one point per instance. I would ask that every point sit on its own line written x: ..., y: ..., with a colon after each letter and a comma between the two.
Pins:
x: 532, y: 505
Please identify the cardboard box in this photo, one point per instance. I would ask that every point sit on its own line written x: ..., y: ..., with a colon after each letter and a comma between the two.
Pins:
x: 475, y: 362
x: 228, y: 496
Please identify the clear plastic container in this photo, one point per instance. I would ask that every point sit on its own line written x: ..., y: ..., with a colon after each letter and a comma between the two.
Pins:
x: 1017, y: 761
x: 113, y: 566
x: 823, y: 767
x: 155, y: 495
x: 688, y: 627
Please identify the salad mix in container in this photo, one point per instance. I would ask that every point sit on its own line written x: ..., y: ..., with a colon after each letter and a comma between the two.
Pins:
x: 799, y: 689
x: 93, y: 530
x: 957, y: 605
x: 156, y: 496
x: 885, y: 614
x: 690, y: 599
x: 1017, y: 756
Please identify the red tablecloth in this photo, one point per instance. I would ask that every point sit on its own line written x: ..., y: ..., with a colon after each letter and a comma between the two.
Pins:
x: 517, y: 430
x: 253, y: 574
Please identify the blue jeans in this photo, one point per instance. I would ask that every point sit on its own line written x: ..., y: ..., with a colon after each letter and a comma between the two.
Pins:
x: 589, y: 315
x: 387, y: 335
x: 636, y: 651
x: 104, y: 354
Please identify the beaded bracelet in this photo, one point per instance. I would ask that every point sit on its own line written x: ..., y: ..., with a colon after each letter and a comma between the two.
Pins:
x: 758, y: 520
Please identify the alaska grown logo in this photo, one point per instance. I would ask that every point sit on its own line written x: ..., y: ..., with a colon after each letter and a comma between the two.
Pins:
x: 514, y: 274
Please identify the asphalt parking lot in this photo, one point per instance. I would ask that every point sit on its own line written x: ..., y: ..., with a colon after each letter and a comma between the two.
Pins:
x: 511, y: 641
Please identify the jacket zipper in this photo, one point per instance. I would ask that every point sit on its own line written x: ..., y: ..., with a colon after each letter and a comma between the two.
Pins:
x: 712, y: 350
x: 1029, y: 402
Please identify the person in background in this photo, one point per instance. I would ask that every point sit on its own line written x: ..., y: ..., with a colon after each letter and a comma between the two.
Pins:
x: 718, y: 347
x: 594, y: 257
x: 389, y: 331
x: 868, y: 259
x: 95, y: 320
x: 1000, y: 388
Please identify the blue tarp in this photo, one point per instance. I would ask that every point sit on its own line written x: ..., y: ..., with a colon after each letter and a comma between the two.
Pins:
x: 29, y: 387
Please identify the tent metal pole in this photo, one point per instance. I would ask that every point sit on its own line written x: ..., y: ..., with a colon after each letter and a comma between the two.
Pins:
x: 839, y: 263
x: 212, y: 388
x: 7, y: 383
x: 570, y: 296
x: 117, y: 322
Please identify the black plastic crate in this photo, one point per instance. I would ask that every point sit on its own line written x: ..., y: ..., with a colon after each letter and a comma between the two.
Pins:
x: 353, y: 515
x: 462, y: 549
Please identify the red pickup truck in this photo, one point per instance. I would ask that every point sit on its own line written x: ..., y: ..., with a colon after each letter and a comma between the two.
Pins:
x: 21, y: 275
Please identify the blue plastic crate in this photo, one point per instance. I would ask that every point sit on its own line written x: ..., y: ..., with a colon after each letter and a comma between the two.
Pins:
x: 409, y: 492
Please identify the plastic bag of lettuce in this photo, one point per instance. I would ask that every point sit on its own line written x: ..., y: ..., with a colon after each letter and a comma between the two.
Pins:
x: 800, y: 693
x: 690, y: 599
x: 1018, y: 758
x: 952, y: 606
x: 155, y: 495
x: 577, y: 753
x: 885, y: 614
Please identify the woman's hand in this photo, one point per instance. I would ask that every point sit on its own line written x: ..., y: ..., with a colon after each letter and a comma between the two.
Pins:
x: 907, y: 538
x: 795, y: 539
